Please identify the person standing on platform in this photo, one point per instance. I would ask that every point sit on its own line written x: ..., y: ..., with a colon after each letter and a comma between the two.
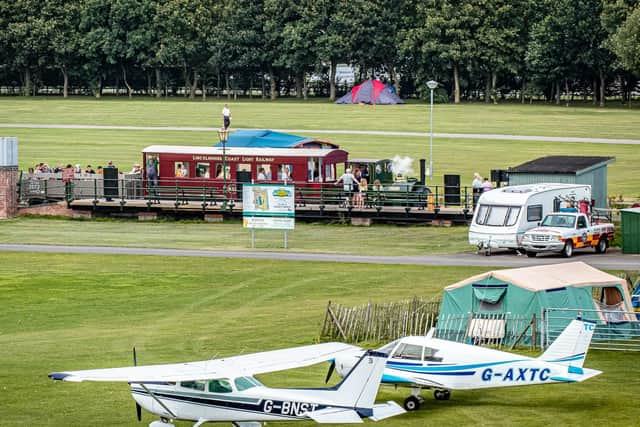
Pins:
x: 476, y: 185
x: 486, y: 185
x: 226, y: 117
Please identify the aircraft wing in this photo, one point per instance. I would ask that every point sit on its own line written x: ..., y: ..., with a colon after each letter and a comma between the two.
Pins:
x: 288, y: 358
x: 249, y: 364
x: 335, y: 415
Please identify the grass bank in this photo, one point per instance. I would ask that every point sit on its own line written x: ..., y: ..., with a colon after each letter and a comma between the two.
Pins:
x: 66, y: 312
x: 312, y: 238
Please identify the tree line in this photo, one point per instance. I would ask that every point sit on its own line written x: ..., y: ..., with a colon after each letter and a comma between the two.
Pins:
x: 487, y: 49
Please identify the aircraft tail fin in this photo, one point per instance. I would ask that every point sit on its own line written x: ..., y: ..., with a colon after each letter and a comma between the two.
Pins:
x: 360, y: 386
x: 570, y: 348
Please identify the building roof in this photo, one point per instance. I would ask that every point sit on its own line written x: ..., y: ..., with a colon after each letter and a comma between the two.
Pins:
x: 264, y: 138
x: 544, y: 277
x: 631, y: 210
x: 562, y: 164
x: 241, y: 151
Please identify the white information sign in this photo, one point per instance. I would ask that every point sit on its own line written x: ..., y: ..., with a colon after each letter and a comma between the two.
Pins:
x: 268, y: 206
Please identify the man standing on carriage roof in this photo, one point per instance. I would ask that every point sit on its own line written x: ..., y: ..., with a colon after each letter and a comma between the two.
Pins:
x: 226, y: 116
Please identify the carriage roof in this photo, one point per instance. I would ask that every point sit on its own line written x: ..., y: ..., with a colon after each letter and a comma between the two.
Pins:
x: 243, y: 151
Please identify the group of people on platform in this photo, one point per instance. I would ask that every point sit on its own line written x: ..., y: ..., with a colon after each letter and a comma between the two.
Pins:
x: 44, y: 168
x: 355, y: 186
x: 480, y: 186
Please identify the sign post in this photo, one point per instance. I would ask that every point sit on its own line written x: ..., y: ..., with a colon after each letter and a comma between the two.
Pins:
x: 268, y: 206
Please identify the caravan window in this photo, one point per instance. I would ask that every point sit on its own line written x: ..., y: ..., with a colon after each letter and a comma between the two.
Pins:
x: 512, y: 216
x: 497, y: 216
x: 534, y: 213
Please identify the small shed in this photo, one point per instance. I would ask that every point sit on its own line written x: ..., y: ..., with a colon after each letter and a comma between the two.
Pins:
x: 591, y: 170
x: 630, y: 230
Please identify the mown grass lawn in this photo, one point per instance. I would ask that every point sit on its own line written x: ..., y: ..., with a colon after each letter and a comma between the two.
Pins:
x: 451, y: 156
x: 317, y: 238
x: 66, y: 312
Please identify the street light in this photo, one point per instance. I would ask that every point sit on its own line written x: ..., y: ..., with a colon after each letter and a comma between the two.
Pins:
x: 431, y: 84
x: 223, y: 136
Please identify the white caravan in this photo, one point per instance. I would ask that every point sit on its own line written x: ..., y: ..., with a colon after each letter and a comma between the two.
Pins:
x: 503, y: 215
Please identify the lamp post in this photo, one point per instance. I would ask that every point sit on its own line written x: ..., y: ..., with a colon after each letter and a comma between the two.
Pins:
x: 223, y: 136
x: 431, y: 84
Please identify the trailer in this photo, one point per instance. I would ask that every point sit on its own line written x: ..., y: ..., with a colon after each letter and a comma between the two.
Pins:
x: 503, y: 215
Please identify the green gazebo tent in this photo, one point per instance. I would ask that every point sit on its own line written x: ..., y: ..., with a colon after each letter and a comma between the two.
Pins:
x: 571, y: 289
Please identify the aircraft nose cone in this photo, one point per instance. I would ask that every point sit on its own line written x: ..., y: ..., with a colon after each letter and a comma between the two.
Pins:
x: 345, y: 363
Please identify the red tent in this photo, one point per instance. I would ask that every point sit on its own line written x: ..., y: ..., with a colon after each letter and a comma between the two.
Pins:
x: 371, y: 92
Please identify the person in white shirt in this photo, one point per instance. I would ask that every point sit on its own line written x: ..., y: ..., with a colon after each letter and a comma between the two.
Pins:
x: 226, y: 116
x: 476, y: 184
x: 348, y: 180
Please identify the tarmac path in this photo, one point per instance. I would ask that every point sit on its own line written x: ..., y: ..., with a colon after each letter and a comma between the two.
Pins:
x: 612, y: 260
x: 337, y: 131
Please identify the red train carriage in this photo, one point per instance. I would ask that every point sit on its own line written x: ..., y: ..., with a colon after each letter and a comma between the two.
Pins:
x: 186, y: 166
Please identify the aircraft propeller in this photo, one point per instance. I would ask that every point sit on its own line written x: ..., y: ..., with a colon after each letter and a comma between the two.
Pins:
x: 332, y: 367
x: 138, y: 407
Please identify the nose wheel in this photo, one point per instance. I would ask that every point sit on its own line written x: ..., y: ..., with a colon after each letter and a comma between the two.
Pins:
x: 412, y: 403
x: 442, y: 394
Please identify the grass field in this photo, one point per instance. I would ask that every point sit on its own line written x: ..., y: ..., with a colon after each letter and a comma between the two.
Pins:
x: 452, y: 156
x: 66, y: 312
x: 314, y: 238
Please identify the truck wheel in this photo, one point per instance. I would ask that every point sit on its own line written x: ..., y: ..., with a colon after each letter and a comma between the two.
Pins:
x: 602, y: 246
x: 531, y: 254
x: 567, y: 251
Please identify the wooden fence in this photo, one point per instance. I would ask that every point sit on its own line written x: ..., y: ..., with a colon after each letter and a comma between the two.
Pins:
x: 380, y: 322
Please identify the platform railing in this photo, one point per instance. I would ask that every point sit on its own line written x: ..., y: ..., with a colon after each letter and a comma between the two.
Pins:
x: 36, y: 188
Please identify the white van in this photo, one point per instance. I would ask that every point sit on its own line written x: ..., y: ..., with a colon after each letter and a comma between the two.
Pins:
x: 503, y: 215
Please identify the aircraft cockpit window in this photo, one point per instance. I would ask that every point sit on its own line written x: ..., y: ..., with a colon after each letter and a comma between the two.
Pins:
x: 388, y: 348
x: 220, y: 386
x: 408, y: 351
x: 430, y: 355
x: 194, y: 385
x: 244, y: 383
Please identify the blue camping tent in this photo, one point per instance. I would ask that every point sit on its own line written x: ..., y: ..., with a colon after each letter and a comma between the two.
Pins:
x: 264, y: 138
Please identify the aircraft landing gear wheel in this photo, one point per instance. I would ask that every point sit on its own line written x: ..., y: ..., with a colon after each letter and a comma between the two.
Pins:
x: 531, y: 254
x: 412, y: 403
x: 487, y: 252
x: 442, y: 394
x: 602, y: 246
x: 567, y: 251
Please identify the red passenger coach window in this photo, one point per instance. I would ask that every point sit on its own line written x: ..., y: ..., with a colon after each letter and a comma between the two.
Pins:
x: 181, y: 169
x: 264, y: 172
x: 202, y: 170
x: 284, y: 172
x: 219, y: 174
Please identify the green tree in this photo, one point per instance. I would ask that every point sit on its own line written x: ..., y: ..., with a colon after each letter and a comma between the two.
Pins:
x: 238, y: 45
x: 626, y: 42
x: 333, y: 42
x: 26, y: 40
x: 65, y: 40
x: 443, y: 41
x: 184, y: 32
x: 498, y: 40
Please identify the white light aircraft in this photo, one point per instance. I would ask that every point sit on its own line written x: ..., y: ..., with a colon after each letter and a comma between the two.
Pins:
x: 225, y: 389
x: 424, y: 362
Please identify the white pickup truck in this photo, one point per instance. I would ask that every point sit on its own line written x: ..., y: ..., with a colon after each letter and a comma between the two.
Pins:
x: 564, y: 231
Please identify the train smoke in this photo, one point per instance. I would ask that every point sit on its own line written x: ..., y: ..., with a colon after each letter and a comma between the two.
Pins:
x: 401, y: 166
